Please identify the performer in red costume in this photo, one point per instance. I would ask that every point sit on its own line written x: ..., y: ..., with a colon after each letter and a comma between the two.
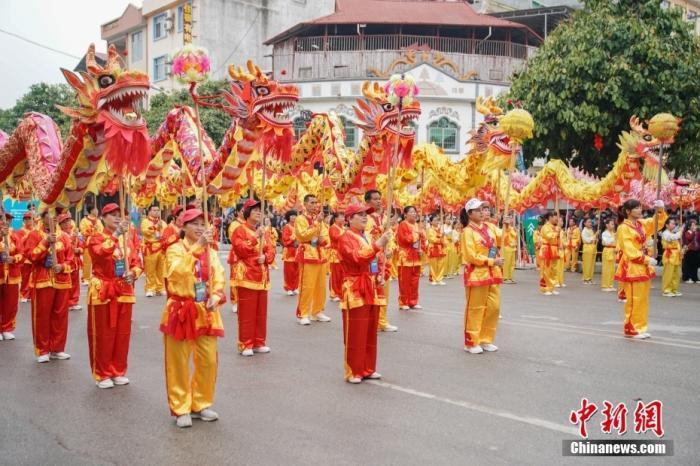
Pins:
x: 22, y: 234
x: 290, y: 267
x: 66, y: 223
x: 11, y: 262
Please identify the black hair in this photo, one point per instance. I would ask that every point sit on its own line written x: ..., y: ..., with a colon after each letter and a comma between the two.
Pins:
x: 170, y: 218
x: 152, y: 206
x: 182, y: 234
x: 463, y: 217
x: 334, y: 216
x: 629, y: 204
x: 547, y: 215
x: 668, y: 220
x: 368, y: 194
x: 608, y: 220
x: 289, y: 213
x: 309, y: 196
x: 408, y: 208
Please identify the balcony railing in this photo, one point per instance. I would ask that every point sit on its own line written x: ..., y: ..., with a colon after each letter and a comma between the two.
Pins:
x: 329, y: 57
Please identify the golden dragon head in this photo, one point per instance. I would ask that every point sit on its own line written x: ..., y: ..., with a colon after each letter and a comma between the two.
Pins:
x: 376, y: 114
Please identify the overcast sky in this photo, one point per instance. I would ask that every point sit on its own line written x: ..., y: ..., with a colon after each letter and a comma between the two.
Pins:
x: 66, y: 25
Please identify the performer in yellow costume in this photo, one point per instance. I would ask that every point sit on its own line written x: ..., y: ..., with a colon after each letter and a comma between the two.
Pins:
x: 481, y: 273
x: 191, y: 321
x: 437, y: 255
x: 589, y: 237
x: 636, y: 269
x: 549, y: 253
x: 573, y: 242
x: 560, y: 263
x: 671, y: 243
x: 312, y: 234
x: 607, y: 279
x: 537, y: 241
x: 153, y: 260
x: 510, y: 237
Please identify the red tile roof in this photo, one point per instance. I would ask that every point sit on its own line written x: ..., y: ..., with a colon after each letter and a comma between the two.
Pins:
x: 425, y: 12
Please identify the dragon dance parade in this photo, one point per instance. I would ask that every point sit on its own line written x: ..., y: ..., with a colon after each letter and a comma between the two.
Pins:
x: 379, y: 237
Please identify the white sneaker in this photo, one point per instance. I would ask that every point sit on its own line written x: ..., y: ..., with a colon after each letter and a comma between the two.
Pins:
x: 1, y: 337
x: 183, y: 421
x: 304, y: 321
x: 557, y: 285
x: 389, y: 328
x: 106, y: 383
x: 374, y: 376
x: 675, y: 293
x: 24, y: 300
x: 555, y: 292
x: 60, y: 355
x: 335, y: 299
x: 668, y: 294
x: 7, y: 336
x: 563, y: 285
x: 321, y: 317
x: 640, y: 336
x: 43, y: 358
x: 160, y: 293
x: 247, y: 352
x: 290, y: 293
x: 689, y: 281
x: 417, y: 306
x: 120, y: 380
x: 490, y: 347
x: 432, y: 283
x: 150, y: 294
x: 77, y: 307
x: 261, y: 349
x: 234, y: 308
x: 296, y: 291
x: 474, y: 349
x: 547, y: 293
x: 404, y: 308
x: 354, y: 380
x: 206, y: 415
x: 621, y: 300
x: 441, y: 283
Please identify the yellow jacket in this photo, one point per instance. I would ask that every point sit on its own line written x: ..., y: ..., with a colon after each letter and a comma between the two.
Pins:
x: 151, y: 229
x: 479, y: 268
x: 305, y: 229
x: 549, y: 242
x: 634, y: 264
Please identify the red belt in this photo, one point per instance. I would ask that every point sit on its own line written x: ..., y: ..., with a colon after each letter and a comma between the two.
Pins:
x: 182, y: 318
x: 111, y: 289
x: 363, y: 286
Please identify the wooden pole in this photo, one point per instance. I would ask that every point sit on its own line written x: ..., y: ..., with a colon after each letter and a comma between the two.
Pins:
x: 510, y: 174
x: 658, y: 196
x: 262, y: 200
x: 122, y: 212
x: 205, y: 198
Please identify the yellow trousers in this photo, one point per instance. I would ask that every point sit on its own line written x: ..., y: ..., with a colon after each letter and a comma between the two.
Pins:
x: 185, y: 394
x: 560, y: 272
x: 312, y: 292
x: 589, y: 252
x: 383, y: 320
x: 87, y: 267
x: 671, y: 278
x: 481, y: 314
x: 437, y: 268
x: 571, y: 259
x: 508, y: 263
x: 636, y: 307
x: 154, y: 265
x: 393, y: 268
x: 607, y: 276
x: 548, y: 275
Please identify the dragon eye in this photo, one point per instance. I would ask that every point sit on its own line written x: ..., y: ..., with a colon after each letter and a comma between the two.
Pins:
x: 388, y: 107
x: 647, y: 137
x: 262, y: 90
x: 106, y: 80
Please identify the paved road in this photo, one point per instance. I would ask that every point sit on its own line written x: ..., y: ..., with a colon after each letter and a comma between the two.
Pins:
x: 435, y: 405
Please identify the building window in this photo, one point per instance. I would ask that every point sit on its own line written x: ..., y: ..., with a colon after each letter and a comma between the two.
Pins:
x: 350, y: 131
x: 299, y: 127
x: 316, y: 90
x: 443, y: 133
x: 305, y: 72
x: 137, y: 46
x: 159, y: 21
x: 159, y: 71
x: 180, y: 18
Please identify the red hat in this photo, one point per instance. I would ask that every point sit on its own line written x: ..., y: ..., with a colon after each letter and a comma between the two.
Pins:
x: 111, y: 207
x: 190, y: 215
x: 353, y: 209
x: 250, y: 203
x: 177, y: 209
x: 27, y: 216
x: 62, y: 218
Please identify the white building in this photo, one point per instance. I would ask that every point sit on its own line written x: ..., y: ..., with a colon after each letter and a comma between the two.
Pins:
x: 232, y: 30
x: 454, y: 53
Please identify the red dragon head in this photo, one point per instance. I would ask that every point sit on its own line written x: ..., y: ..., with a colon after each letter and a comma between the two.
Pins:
x: 113, y: 97
x: 377, y: 115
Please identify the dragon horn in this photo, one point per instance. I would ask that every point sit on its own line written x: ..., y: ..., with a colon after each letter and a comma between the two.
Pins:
x: 90, y: 62
x: 493, y: 106
x: 481, y: 107
x: 114, y: 60
x: 251, y: 67
x: 636, y: 125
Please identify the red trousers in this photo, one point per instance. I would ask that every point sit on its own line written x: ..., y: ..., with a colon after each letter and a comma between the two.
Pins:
x: 408, y: 285
x: 291, y: 276
x: 109, y: 333
x: 9, y: 301
x: 50, y: 320
x: 232, y: 289
x: 25, y: 291
x: 75, y: 290
x: 252, y: 318
x: 336, y: 281
x: 360, y: 339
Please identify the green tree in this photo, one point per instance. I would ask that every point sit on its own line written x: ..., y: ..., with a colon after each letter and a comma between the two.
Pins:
x: 41, y: 98
x: 215, y: 122
x: 613, y: 59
